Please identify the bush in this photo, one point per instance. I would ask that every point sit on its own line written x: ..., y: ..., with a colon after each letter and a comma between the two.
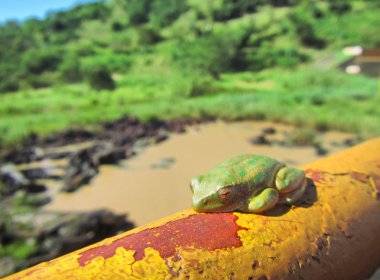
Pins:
x: 99, y: 77
x: 184, y: 27
x: 70, y: 70
x: 43, y: 80
x: 186, y: 85
x: 37, y: 61
x: 117, y: 26
x: 9, y: 85
x: 83, y: 47
x: 164, y: 12
x: 288, y: 57
x: 267, y: 56
x: 302, y: 137
x: 147, y: 36
x: 308, y: 38
x: 339, y: 7
x: 305, y: 30
x: 138, y: 11
x: 230, y: 9
x: 210, y: 55
x: 351, y: 28
x: 9, y: 77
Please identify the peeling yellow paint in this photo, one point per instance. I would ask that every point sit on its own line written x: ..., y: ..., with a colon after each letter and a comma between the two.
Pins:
x: 330, y: 235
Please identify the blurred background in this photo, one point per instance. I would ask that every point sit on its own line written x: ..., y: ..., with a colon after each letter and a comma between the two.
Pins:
x: 108, y: 108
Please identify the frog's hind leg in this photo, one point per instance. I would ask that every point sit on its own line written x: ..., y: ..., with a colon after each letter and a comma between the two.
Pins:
x: 291, y: 183
x: 289, y: 179
x: 266, y: 200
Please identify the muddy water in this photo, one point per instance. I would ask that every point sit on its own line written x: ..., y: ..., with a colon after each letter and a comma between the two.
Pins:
x: 156, y: 182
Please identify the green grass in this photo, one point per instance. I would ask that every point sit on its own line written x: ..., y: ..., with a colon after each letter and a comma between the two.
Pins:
x: 305, y: 97
x: 20, y: 250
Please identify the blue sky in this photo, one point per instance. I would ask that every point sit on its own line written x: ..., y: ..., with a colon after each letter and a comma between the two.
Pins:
x: 22, y: 9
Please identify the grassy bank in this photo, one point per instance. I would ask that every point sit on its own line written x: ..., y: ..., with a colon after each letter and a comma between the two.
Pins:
x: 305, y: 97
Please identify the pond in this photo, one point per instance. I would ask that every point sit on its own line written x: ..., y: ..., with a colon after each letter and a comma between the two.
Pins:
x: 155, y: 183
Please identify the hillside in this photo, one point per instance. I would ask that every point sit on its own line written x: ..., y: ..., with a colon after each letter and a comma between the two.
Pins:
x: 222, y: 58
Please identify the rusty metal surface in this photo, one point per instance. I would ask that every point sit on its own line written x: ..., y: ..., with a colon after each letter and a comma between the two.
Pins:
x: 333, y: 234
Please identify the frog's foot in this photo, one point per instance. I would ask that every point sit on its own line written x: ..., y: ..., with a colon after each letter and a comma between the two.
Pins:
x: 291, y: 183
x: 266, y: 200
x: 291, y: 197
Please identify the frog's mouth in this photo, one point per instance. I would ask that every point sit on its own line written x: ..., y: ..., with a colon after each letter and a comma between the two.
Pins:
x: 212, y: 204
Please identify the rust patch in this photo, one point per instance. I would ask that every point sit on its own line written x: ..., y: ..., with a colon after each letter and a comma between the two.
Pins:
x: 171, y: 270
x: 375, y: 183
x: 255, y: 265
x: 359, y: 176
x: 321, y: 243
x: 31, y: 271
x: 201, y: 231
x: 317, y: 176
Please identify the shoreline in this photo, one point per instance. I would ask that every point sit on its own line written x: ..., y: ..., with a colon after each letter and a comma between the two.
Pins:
x: 58, y: 166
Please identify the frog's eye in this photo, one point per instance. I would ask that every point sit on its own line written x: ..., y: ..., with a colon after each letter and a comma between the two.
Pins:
x: 224, y: 194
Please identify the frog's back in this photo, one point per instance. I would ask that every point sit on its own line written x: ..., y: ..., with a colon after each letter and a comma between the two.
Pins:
x: 247, y: 169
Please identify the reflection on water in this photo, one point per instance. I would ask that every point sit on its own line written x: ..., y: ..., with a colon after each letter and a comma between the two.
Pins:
x: 156, y: 182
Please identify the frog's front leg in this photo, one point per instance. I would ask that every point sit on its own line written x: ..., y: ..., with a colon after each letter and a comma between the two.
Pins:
x: 265, y: 200
x: 291, y: 183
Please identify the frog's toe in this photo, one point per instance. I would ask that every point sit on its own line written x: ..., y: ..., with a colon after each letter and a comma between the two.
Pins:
x: 293, y: 196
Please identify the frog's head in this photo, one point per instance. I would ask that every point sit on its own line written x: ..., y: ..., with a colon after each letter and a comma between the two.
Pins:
x: 213, y: 196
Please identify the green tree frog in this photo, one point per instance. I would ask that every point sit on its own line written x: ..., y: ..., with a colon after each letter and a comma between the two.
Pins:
x: 247, y: 183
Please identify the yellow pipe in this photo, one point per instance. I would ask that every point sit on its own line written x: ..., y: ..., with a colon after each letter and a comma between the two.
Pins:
x: 333, y: 234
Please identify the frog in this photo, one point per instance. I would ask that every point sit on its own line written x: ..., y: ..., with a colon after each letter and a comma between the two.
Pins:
x: 247, y: 183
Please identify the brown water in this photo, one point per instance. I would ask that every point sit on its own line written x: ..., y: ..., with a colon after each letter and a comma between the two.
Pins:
x: 156, y: 182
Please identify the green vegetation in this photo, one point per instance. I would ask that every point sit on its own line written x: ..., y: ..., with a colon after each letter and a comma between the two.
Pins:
x: 19, y: 250
x: 191, y: 58
x: 302, y: 137
x: 18, y: 247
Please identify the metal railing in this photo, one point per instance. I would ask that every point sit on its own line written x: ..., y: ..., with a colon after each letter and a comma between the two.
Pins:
x: 332, y: 234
